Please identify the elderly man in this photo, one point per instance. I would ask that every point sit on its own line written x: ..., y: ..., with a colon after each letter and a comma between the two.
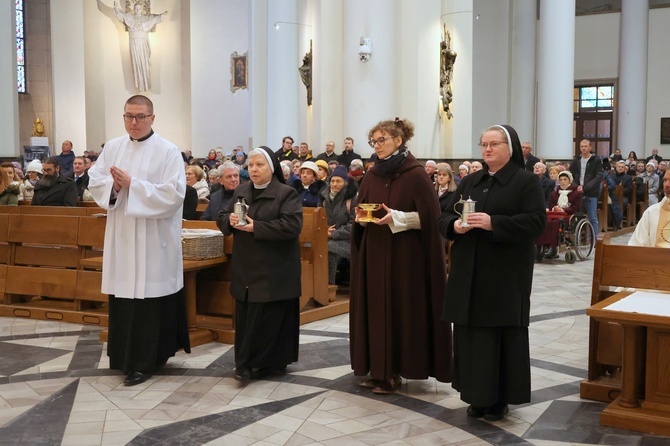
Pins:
x: 528, y: 158
x: 214, y: 177
x: 547, y: 183
x: 229, y: 179
x: 54, y: 189
x: 329, y: 155
x: 66, y: 158
x: 140, y: 180
x: 653, y: 229
x: 431, y: 168
x: 475, y: 166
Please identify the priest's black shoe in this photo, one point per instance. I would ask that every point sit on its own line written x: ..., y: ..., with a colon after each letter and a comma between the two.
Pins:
x: 135, y: 378
x: 476, y: 412
x: 496, y: 412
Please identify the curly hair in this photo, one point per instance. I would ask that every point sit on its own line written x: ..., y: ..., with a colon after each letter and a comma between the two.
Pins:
x: 395, y: 127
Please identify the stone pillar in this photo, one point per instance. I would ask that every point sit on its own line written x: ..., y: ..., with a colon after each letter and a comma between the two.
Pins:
x: 283, y: 78
x: 418, y: 91
x: 69, y: 80
x: 370, y: 88
x: 258, y: 75
x: 327, y: 82
x: 457, y: 133
x: 555, y: 78
x: 9, y: 102
x: 522, y: 98
x: 632, y: 94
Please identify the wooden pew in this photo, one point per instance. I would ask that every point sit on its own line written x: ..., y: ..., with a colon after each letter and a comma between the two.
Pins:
x: 603, y: 210
x: 617, y: 266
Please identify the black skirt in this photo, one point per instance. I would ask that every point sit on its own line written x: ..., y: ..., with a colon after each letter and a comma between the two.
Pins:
x: 267, y: 334
x: 492, y: 365
x: 144, y: 333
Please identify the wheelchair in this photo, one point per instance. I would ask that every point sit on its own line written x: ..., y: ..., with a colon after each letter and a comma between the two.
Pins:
x: 575, y: 232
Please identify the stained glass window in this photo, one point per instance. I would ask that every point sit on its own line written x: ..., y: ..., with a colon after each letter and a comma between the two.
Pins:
x: 20, y: 48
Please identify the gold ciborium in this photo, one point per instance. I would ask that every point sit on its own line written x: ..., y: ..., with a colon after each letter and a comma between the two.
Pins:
x: 369, y: 208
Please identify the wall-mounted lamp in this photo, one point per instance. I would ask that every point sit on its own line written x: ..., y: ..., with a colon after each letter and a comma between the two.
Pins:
x: 365, y: 49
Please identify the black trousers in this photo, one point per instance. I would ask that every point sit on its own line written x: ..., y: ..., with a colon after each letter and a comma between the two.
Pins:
x: 144, y: 333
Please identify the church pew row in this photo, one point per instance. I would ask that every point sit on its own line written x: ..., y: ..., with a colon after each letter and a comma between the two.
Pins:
x: 50, y: 269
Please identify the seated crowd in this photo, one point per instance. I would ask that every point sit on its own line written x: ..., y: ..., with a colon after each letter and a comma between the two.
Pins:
x: 331, y: 180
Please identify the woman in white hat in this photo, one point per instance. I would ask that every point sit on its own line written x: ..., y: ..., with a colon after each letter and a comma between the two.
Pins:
x: 33, y: 175
x: 308, y: 186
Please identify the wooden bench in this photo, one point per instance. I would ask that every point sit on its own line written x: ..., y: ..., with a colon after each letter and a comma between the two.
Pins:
x: 63, y: 254
x: 617, y: 266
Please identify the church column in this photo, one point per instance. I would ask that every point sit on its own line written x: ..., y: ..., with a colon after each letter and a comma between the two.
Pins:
x: 419, y: 74
x: 9, y: 101
x: 67, y: 52
x: 456, y: 133
x: 283, y: 78
x: 258, y: 74
x: 522, y: 99
x: 327, y: 82
x: 555, y: 78
x: 370, y: 88
x: 632, y: 94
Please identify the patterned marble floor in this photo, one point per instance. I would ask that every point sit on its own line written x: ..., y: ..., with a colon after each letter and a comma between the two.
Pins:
x: 55, y: 388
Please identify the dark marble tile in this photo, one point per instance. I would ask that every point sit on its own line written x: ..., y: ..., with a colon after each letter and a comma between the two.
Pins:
x: 557, y: 315
x: 43, y: 424
x: 502, y: 437
x: 15, y: 357
x: 654, y: 440
x: 560, y: 368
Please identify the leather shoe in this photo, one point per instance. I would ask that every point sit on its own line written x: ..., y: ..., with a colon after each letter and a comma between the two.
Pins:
x: 135, y: 378
x: 476, y: 412
x: 243, y: 374
x: 496, y: 412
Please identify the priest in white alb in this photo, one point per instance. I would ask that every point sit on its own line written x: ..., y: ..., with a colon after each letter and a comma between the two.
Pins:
x: 139, y: 179
x: 653, y: 229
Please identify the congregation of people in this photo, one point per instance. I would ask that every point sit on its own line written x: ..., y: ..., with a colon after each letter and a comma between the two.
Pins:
x: 403, y: 303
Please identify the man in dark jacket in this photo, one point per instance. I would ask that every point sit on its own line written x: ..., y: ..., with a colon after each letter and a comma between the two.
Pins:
x: 348, y: 155
x: 528, y: 158
x: 286, y: 151
x: 229, y: 178
x: 620, y: 176
x: 54, y: 189
x: 587, y: 171
x: 66, y: 158
x: 79, y: 175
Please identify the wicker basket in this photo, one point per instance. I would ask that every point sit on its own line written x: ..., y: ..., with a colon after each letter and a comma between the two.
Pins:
x: 201, y: 244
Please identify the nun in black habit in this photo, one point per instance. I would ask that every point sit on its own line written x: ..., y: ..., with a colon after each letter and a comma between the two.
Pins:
x: 488, y: 290
x: 265, y: 269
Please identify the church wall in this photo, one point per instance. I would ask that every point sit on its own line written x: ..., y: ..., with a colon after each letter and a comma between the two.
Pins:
x: 109, y: 78
x: 37, y: 103
x: 220, y: 117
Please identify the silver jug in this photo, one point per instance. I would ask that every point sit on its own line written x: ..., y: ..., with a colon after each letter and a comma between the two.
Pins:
x: 468, y: 208
x: 241, y: 208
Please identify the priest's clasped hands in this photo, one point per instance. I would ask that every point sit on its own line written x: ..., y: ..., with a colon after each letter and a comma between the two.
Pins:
x: 121, y: 178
